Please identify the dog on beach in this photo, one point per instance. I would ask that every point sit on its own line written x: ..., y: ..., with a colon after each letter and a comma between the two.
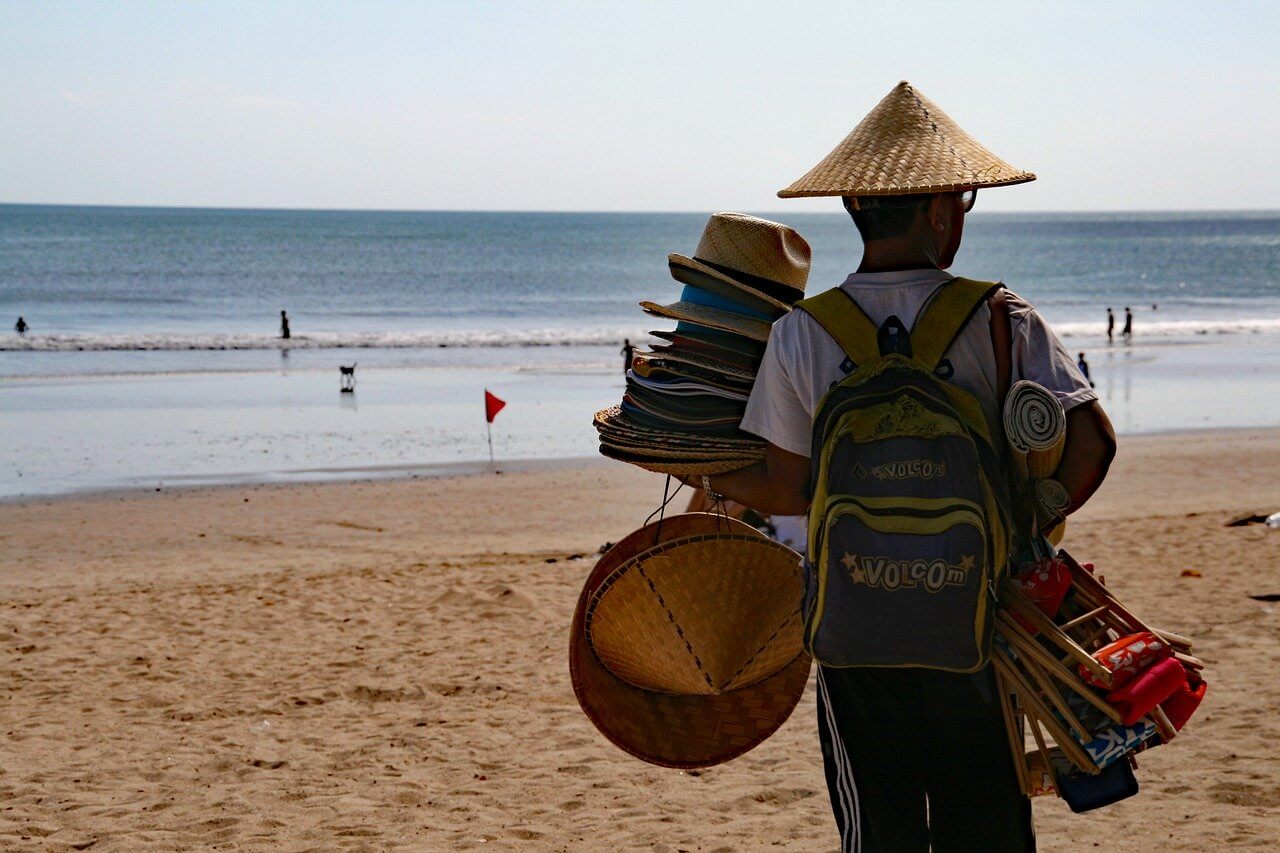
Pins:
x: 348, y: 377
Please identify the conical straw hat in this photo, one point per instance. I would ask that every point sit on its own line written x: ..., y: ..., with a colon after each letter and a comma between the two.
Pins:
x: 907, y: 144
x: 701, y: 727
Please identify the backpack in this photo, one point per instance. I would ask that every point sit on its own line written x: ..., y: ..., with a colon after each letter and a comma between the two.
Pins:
x: 909, y: 525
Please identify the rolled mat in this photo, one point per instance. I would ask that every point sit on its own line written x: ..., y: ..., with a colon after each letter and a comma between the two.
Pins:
x: 1052, y: 501
x: 1035, y: 426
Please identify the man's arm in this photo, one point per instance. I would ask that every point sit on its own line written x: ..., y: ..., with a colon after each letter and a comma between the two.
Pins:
x: 776, y: 486
x: 1090, y: 447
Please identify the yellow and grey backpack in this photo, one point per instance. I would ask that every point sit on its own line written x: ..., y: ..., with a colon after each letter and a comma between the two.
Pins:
x: 909, y: 528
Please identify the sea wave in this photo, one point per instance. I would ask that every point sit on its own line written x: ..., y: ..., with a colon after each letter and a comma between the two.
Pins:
x: 174, y: 342
x: 1174, y: 329
x: 1146, y: 329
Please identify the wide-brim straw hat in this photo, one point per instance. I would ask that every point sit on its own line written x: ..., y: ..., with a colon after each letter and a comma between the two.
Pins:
x: 765, y: 260
x: 711, y: 318
x: 697, y: 360
x: 689, y: 465
x: 906, y: 145
x: 725, y: 684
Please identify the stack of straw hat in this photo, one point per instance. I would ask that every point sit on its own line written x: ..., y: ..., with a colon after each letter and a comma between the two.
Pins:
x: 685, y: 398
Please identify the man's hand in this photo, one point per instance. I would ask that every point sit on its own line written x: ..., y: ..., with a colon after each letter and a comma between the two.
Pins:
x: 776, y: 486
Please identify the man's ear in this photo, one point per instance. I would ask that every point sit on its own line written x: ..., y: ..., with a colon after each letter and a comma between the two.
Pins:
x: 937, y: 212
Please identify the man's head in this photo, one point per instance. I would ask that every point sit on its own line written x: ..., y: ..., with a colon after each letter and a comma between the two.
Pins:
x: 924, y: 228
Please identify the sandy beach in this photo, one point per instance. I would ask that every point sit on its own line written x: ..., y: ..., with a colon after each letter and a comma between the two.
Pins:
x: 382, y: 665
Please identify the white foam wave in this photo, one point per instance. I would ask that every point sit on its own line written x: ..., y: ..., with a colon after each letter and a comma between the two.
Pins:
x: 1174, y: 329
x: 171, y: 342
x: 1170, y: 330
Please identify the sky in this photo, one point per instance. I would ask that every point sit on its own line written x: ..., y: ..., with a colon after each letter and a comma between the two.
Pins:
x: 623, y: 106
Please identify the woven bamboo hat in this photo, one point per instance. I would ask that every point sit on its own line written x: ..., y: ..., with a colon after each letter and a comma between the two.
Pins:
x: 686, y: 643
x: 907, y: 144
x: 765, y: 260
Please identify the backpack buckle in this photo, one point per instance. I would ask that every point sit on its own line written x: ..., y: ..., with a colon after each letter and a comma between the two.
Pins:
x: 893, y: 337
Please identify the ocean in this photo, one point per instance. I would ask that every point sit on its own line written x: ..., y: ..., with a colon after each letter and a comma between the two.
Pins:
x: 158, y: 329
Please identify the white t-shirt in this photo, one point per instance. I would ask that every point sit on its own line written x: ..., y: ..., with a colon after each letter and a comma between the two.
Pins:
x: 801, y: 361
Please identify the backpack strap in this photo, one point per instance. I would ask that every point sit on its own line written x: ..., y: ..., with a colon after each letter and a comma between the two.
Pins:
x: 942, y: 320
x: 843, y: 319
x: 1001, y: 343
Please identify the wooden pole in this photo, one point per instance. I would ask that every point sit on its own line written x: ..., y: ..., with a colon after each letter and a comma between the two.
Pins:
x: 488, y: 428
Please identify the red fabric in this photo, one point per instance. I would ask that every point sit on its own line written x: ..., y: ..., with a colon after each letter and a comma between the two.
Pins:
x: 1152, y: 686
x: 1183, y: 703
x: 492, y: 405
x: 1045, y: 583
x: 1126, y: 657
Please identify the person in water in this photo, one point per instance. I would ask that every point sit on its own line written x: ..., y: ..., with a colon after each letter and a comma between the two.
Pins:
x: 1111, y: 325
x: 1127, y: 331
x: 21, y: 326
x: 627, y: 351
x: 284, y: 325
x: 1084, y: 368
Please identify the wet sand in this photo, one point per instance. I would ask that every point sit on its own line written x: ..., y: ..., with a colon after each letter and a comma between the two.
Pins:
x: 379, y: 665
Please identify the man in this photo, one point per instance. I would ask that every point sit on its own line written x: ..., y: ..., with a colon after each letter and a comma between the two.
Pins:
x: 284, y: 325
x: 1127, y: 331
x: 1111, y: 325
x: 21, y: 326
x: 914, y: 757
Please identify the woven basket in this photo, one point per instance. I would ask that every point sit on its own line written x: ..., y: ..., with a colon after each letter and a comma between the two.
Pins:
x: 702, y: 614
x: 669, y: 729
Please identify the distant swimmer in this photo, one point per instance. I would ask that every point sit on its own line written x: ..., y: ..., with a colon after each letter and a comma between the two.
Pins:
x: 1127, y: 331
x: 21, y: 326
x: 1084, y: 368
x: 1111, y: 325
x: 627, y: 351
x: 284, y: 325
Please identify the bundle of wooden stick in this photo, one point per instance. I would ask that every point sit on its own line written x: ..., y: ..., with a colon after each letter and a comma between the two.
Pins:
x: 1083, y: 678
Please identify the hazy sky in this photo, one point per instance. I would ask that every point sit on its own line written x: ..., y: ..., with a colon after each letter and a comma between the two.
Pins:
x: 623, y: 105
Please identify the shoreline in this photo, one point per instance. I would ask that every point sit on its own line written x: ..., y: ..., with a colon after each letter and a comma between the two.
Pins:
x: 374, y: 474
x: 282, y: 480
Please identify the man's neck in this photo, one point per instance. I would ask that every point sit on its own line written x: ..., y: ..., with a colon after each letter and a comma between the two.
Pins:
x: 884, y: 256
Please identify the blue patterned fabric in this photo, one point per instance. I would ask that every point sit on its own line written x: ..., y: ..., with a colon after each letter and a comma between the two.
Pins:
x: 1118, y: 740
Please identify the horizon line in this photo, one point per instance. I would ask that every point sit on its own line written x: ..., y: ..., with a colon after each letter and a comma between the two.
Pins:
x: 264, y: 209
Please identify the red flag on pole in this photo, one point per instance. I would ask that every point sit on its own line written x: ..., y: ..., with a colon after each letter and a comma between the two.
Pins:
x: 492, y: 405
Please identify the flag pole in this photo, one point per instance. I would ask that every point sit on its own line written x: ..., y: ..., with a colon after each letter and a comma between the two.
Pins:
x: 488, y: 428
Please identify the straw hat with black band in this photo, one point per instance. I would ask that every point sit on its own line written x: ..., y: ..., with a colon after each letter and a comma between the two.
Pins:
x: 905, y: 146
x: 686, y: 648
x: 746, y: 273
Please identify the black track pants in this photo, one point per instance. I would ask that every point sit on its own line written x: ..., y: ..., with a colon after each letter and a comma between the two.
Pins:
x: 918, y: 759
